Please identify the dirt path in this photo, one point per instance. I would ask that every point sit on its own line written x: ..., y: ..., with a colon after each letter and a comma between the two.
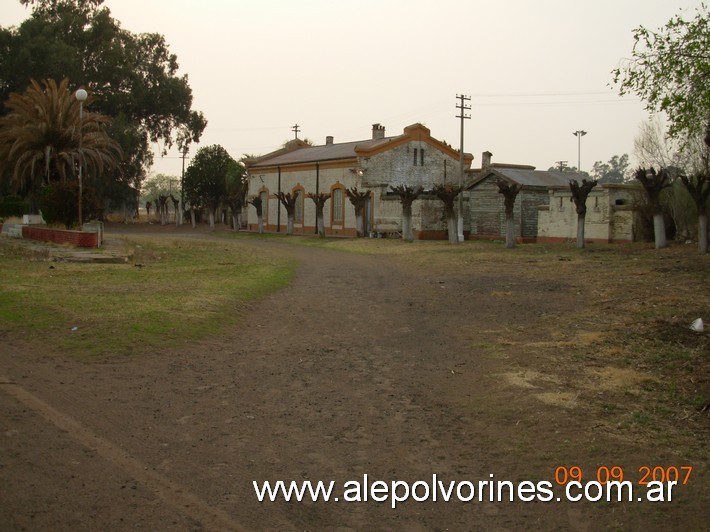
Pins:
x: 364, y: 366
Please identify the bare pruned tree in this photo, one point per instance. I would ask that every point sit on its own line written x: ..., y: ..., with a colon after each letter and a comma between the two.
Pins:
x: 653, y: 184
x: 447, y: 194
x: 359, y: 201
x: 176, y: 207
x: 162, y: 207
x: 698, y: 186
x: 407, y: 195
x: 288, y: 200
x: 579, y: 197
x: 258, y: 205
x: 320, y: 199
x: 510, y: 192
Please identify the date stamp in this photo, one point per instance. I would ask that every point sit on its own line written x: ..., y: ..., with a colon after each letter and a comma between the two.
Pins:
x: 643, y: 475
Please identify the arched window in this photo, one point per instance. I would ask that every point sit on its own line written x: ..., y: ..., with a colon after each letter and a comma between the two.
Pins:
x: 337, y: 198
x: 298, y: 213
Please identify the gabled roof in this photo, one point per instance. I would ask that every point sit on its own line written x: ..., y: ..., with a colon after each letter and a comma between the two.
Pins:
x: 528, y: 177
x: 303, y: 154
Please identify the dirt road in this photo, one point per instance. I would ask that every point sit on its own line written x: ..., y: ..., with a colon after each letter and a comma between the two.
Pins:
x: 366, y: 365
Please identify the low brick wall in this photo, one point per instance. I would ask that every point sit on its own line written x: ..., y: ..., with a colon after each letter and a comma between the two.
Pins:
x: 59, y: 236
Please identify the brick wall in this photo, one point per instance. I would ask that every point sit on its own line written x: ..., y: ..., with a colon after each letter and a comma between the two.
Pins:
x: 59, y: 236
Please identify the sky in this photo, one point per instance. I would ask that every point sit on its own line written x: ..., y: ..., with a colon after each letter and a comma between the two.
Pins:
x: 536, y: 71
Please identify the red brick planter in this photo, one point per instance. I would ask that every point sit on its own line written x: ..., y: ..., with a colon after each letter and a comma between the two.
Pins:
x: 60, y: 236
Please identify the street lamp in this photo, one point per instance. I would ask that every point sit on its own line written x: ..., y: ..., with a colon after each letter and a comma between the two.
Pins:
x: 579, y: 134
x: 81, y: 96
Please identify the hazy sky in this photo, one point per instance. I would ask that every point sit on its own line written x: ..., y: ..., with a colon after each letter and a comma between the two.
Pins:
x: 536, y: 70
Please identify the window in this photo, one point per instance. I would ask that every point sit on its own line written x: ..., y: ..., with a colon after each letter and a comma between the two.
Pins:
x: 337, y: 202
x: 298, y: 213
x: 419, y: 160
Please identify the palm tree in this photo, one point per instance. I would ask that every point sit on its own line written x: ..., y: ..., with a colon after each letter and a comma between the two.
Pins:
x: 40, y: 138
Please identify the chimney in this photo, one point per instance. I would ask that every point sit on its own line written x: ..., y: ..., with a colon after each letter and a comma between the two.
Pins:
x: 378, y: 131
x: 329, y: 140
x: 486, y: 160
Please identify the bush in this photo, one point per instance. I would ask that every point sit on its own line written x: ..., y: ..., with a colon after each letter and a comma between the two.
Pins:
x: 13, y: 206
x: 58, y: 203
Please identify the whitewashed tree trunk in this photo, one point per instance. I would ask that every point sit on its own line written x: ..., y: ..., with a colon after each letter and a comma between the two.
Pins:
x: 260, y: 219
x: 453, y: 225
x: 289, y: 224
x: 358, y: 223
x: 659, y: 231
x: 192, y: 217
x: 212, y: 213
x: 235, y: 223
x: 580, y: 231
x: 509, y: 232
x: 703, y: 233
x: 407, y: 233
x: 320, y: 224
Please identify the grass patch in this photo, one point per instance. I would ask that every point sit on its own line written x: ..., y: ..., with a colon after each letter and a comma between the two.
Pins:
x: 168, y: 294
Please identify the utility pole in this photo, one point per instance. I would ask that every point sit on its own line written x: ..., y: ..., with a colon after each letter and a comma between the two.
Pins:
x: 295, y: 130
x: 462, y: 106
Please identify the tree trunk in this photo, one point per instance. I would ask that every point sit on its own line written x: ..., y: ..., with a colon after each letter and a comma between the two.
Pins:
x: 320, y: 225
x: 260, y: 219
x: 192, y: 217
x: 289, y: 224
x: 235, y: 222
x: 509, y: 232
x: 703, y: 233
x: 659, y: 231
x: 407, y: 233
x: 453, y: 225
x: 358, y: 223
x: 580, y: 231
x: 212, y: 213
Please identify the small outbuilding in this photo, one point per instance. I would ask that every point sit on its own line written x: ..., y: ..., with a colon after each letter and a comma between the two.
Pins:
x: 610, y: 215
x: 485, y: 203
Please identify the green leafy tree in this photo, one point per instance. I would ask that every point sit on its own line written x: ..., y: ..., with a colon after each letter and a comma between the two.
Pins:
x: 235, y: 192
x: 42, y: 139
x: 132, y: 77
x: 670, y: 71
x: 614, y: 171
x: 160, y: 185
x: 206, y: 178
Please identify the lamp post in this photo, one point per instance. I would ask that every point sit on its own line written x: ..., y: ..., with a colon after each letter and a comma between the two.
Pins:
x: 579, y: 134
x: 81, y: 96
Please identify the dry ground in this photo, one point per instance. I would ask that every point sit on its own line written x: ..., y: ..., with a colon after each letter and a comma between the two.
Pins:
x: 400, y: 363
